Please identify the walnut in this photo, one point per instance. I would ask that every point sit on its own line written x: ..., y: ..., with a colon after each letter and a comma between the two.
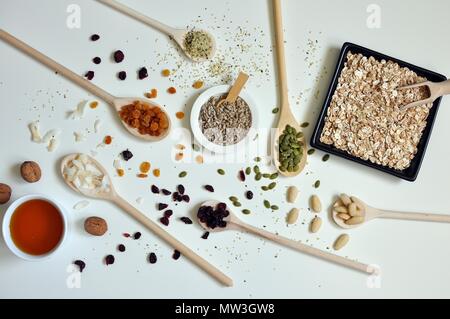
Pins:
x: 30, y: 171
x: 5, y: 193
x: 96, y: 226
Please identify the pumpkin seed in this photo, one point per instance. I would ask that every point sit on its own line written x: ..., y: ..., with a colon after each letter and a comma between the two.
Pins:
x: 317, y: 184
x: 292, y: 194
x: 266, y: 204
x: 292, y: 216
x: 290, y: 149
x: 316, y: 223
x: 264, y: 188
x: 311, y: 151
x: 326, y: 157
x: 182, y: 174
x: 275, y: 110
x: 233, y: 198
x: 248, y: 170
x: 221, y: 171
x: 274, y: 176
x: 246, y: 211
x: 257, y: 159
x: 237, y: 204
x: 304, y: 124
x: 266, y: 175
x: 274, y: 207
x: 256, y: 169
x: 272, y: 185
x: 258, y: 176
x: 316, y: 205
x: 341, y: 241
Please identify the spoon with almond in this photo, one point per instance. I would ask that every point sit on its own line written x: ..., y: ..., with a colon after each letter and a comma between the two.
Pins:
x: 118, y: 103
x: 350, y: 212
x: 214, y: 216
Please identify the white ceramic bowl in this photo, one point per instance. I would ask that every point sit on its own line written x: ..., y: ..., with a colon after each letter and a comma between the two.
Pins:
x: 195, y: 124
x: 7, y: 233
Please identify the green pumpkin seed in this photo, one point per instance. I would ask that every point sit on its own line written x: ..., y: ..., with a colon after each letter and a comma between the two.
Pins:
x: 326, y: 157
x: 248, y: 170
x: 276, y: 110
x: 274, y: 176
x: 311, y: 151
x: 317, y: 184
x: 272, y: 185
x: 237, y: 204
x: 257, y: 176
x: 264, y: 188
x: 221, y: 171
x: 256, y: 169
x: 266, y: 204
x: 257, y: 159
x: 274, y: 207
x: 305, y: 124
x: 246, y: 211
x: 233, y: 198
x: 266, y: 175
x: 182, y: 174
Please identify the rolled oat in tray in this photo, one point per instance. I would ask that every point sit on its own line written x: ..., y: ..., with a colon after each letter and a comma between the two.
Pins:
x: 364, y: 118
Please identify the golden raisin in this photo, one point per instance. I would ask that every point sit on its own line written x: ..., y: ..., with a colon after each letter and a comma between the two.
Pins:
x: 144, y: 167
x: 179, y: 156
x: 197, y: 84
x: 120, y: 172
x: 108, y: 139
x: 93, y: 104
x: 142, y: 175
x: 165, y: 72
x: 154, y: 93
x: 180, y: 115
x: 156, y: 172
x: 199, y: 159
x: 172, y: 90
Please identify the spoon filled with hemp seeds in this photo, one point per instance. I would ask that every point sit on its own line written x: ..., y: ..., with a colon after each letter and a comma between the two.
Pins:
x: 198, y: 45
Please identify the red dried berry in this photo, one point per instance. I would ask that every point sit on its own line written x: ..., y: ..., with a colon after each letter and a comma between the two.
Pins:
x: 89, y: 75
x: 81, y: 264
x: 164, y: 220
x: 249, y: 195
x: 186, y: 198
x: 162, y: 206
x: 152, y: 258
x: 126, y: 155
x: 205, y: 235
x: 209, y: 188
x: 168, y: 213
x: 142, y: 73
x: 155, y: 189
x: 166, y: 192
x: 121, y: 248
x: 137, y: 235
x: 118, y: 56
x: 122, y: 75
x: 109, y: 260
x: 242, y: 176
x: 126, y: 235
x: 186, y: 220
x: 176, y: 254
x: 97, y: 60
x: 95, y: 37
x: 180, y: 189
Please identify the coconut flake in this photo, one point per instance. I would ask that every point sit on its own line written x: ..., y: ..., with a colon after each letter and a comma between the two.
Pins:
x: 97, y: 125
x: 78, y: 113
x: 117, y: 163
x: 52, y: 134
x: 79, y: 137
x: 35, y: 132
x: 81, y: 205
x: 53, y: 145
x: 139, y: 200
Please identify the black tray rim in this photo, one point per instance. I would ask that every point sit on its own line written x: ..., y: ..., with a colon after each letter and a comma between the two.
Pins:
x: 412, y: 172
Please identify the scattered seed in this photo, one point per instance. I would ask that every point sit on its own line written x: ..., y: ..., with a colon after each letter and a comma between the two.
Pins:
x: 311, y: 151
x: 317, y: 184
x: 273, y: 176
x: 266, y: 204
x: 181, y: 189
x: 186, y: 220
x: 179, y: 115
x: 249, y: 195
x: 144, y: 167
x: 171, y: 90
x: 257, y: 159
x: 126, y: 235
x: 326, y: 157
x: 248, y: 170
x: 137, y: 235
x: 221, y: 171
x: 275, y: 110
x: 264, y: 188
x: 272, y: 185
x: 109, y: 260
x: 246, y: 211
x: 266, y: 175
x: 233, y: 198
x: 182, y: 174
x: 341, y: 241
x: 121, y: 248
x: 292, y: 216
x: 81, y: 264
x: 179, y: 156
x: 316, y: 223
x: 209, y: 188
x: 304, y: 124
x: 152, y: 258
x: 274, y: 207
x: 258, y: 176
x: 237, y: 204
x: 292, y: 194
x: 199, y: 159
x: 315, y: 203
x: 256, y: 169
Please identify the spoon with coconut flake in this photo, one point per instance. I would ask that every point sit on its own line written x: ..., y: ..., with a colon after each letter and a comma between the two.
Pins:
x: 198, y: 45
x: 88, y: 177
x: 117, y: 102
x: 214, y: 216
x: 350, y: 212
x: 288, y: 146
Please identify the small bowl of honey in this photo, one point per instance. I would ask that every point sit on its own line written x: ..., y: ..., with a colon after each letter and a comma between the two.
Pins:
x: 34, y: 227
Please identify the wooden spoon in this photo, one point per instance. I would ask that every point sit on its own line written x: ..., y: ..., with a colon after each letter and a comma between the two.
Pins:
x: 235, y: 89
x: 436, y: 89
x: 370, y: 213
x: 178, y: 35
x: 234, y: 223
x: 116, y: 102
x: 111, y: 195
x: 286, y: 116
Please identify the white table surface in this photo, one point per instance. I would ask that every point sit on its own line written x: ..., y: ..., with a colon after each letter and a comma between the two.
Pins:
x: 414, y: 256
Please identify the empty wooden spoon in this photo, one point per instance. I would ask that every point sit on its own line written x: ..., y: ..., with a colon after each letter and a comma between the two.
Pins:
x: 116, y: 102
x: 235, y: 90
x: 109, y: 193
x: 178, y: 35
x: 368, y: 213
x: 286, y: 116
x: 435, y: 89
x: 234, y: 223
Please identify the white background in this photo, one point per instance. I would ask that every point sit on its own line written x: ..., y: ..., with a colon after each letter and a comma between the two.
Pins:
x: 414, y: 256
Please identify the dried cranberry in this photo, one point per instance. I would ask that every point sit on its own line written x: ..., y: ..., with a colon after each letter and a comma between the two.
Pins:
x: 109, y: 260
x: 164, y: 220
x: 186, y: 198
x: 95, y: 37
x: 186, y: 220
x: 176, y: 254
x: 118, y: 56
x: 209, y: 188
x: 180, y: 189
x: 81, y: 264
x: 152, y: 258
x: 249, y: 195
x: 137, y: 235
x: 162, y: 206
x: 166, y: 192
x: 89, y: 75
x: 122, y: 75
x: 222, y: 206
x: 97, y: 60
x: 142, y: 73
x: 168, y: 213
x: 121, y: 248
x: 213, y: 217
x: 126, y: 155
x: 155, y: 189
x: 205, y: 235
x: 126, y: 235
x: 242, y: 176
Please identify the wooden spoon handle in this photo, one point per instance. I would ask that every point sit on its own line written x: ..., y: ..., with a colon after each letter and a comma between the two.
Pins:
x: 308, y: 249
x: 444, y: 88
x: 172, y: 241
x: 281, y: 59
x: 140, y: 17
x: 414, y: 216
x: 55, y: 66
x: 237, y: 87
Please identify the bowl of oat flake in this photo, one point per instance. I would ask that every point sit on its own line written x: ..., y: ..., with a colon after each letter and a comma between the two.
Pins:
x: 226, y: 128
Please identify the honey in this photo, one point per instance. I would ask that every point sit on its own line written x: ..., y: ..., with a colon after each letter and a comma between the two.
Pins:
x: 36, y: 227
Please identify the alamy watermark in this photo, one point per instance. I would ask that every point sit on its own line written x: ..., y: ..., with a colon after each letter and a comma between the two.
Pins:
x: 374, y: 19
x: 73, y: 20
